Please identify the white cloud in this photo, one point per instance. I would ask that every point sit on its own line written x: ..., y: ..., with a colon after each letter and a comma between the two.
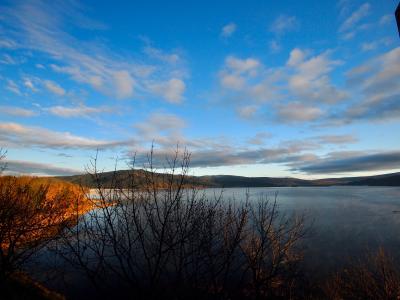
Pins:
x: 309, y: 79
x: 303, y: 80
x: 284, y: 23
x: 54, y: 88
x: 296, y: 57
x: 171, y: 90
x: 29, y: 84
x: 158, y: 122
x: 124, y: 83
x: 242, y: 65
x: 232, y: 81
x: 162, y: 128
x: 228, y: 30
x: 297, y: 112
x: 236, y: 72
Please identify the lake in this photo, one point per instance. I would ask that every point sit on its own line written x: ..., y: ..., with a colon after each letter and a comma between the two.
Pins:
x: 346, y: 222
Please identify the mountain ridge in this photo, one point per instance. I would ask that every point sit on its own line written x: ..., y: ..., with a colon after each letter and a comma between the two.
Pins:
x: 122, y: 176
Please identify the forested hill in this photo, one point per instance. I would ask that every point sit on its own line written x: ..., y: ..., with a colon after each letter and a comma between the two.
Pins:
x: 123, y: 178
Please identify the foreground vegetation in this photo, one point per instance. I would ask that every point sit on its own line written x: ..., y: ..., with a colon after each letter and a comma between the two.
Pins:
x: 155, y: 236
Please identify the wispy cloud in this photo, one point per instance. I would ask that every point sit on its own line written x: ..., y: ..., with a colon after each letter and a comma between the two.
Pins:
x: 355, y: 17
x: 353, y: 162
x: 30, y: 85
x: 13, y: 87
x: 162, y: 128
x: 17, y: 111
x: 54, y: 88
x: 386, y: 19
x: 353, y: 25
x: 284, y: 23
x: 20, y: 167
x: 7, y: 59
x: 274, y: 46
x: 247, y: 111
x: 40, y: 26
x: 225, y: 155
x: 77, y: 111
x: 309, y: 77
x: 377, y: 81
x: 14, y: 135
x: 259, y: 138
x: 171, y: 58
x: 228, y: 30
x: 373, y: 45
x: 336, y: 139
x: 297, y: 112
x: 171, y: 90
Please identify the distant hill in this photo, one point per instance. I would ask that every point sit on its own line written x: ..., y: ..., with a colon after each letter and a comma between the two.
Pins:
x: 381, y: 180
x: 241, y: 181
x: 123, y: 177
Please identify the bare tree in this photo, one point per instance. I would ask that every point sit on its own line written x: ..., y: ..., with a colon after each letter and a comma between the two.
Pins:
x: 2, y: 157
x: 153, y: 233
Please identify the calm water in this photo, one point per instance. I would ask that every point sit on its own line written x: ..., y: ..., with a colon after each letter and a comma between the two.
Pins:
x: 347, y: 221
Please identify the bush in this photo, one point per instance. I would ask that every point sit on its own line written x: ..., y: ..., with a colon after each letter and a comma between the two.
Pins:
x: 32, y: 212
x: 372, y: 277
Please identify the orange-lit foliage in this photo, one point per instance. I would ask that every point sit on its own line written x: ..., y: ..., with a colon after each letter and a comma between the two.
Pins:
x: 32, y: 212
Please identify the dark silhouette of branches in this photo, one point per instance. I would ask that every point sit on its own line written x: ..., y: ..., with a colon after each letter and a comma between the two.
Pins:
x: 374, y: 276
x: 161, y: 236
x: 2, y: 157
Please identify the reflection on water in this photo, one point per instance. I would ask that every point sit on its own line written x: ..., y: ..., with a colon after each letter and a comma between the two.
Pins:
x: 347, y: 221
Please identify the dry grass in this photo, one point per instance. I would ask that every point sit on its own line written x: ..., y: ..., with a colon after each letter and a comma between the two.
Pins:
x: 374, y: 276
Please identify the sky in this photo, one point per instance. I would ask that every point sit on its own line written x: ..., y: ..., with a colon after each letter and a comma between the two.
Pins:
x: 306, y: 89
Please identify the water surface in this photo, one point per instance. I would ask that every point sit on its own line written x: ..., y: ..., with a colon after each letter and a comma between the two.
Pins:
x: 347, y: 221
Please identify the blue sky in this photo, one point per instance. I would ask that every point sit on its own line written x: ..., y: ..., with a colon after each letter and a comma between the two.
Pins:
x: 255, y: 88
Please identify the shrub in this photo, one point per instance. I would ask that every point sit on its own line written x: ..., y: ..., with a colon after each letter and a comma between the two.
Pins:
x: 32, y: 212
